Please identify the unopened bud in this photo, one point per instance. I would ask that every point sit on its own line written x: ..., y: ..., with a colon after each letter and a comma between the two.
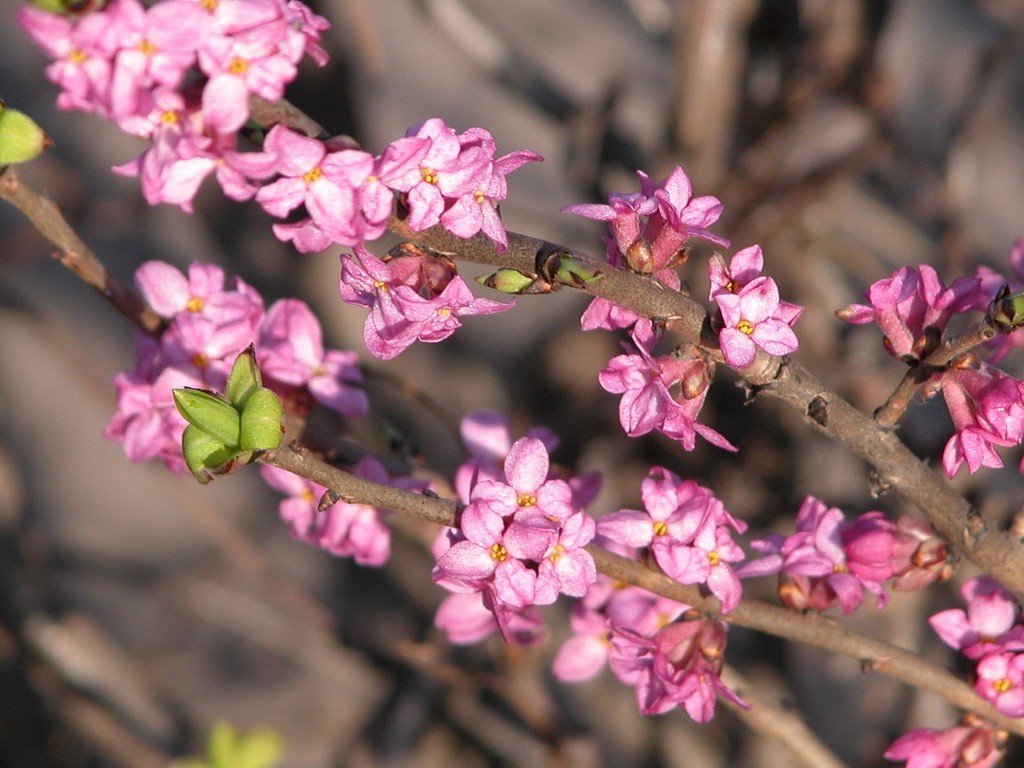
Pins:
x: 514, y: 282
x: 260, y: 423
x: 244, y: 378
x: 640, y: 256
x: 21, y: 139
x: 1007, y: 310
x: 209, y: 413
x: 204, y: 452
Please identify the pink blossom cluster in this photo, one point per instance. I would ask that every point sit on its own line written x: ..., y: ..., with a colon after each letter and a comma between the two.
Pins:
x: 521, y: 536
x: 134, y: 65
x: 648, y: 230
x: 914, y: 308
x: 687, y: 530
x: 208, y: 326
x: 990, y: 632
x: 663, y: 393
x: 827, y: 560
x: 411, y: 297
x: 669, y: 653
x: 342, y: 528
x: 181, y: 73
x: 751, y: 314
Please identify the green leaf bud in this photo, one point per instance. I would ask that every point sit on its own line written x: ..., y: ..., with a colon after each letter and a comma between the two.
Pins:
x: 204, y: 452
x: 511, y: 281
x: 209, y: 413
x: 260, y: 427
x: 21, y: 139
x: 244, y: 378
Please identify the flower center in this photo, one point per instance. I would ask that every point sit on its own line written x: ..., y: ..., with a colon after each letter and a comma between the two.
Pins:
x: 556, y: 553
x: 312, y: 175
x: 732, y: 286
x: 195, y: 304
x: 238, y: 66
x: 714, y: 558
x: 479, y: 196
x: 498, y: 553
x: 169, y: 117
x: 77, y: 56
x: 1002, y: 685
x: 527, y: 500
x: 840, y: 568
x: 745, y: 326
x: 199, y: 360
x: 146, y: 47
x: 660, y: 528
x: 429, y: 175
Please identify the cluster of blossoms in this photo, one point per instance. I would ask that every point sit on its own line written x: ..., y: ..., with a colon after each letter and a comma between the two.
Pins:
x: 648, y: 232
x: 827, y: 560
x: 668, y: 652
x: 913, y: 309
x: 208, y: 326
x: 521, y: 536
x: 991, y: 634
x: 342, y: 528
x: 181, y: 73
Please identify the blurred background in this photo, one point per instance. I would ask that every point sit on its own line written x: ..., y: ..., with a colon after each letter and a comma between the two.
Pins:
x: 137, y: 608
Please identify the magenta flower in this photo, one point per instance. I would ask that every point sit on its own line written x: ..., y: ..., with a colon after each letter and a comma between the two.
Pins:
x: 814, y: 569
x: 647, y: 402
x: 750, y: 319
x: 291, y: 351
x: 987, y: 409
x: 913, y: 308
x: 679, y: 666
x: 973, y: 744
x: 744, y: 267
x: 990, y: 624
x: 999, y: 678
x: 687, y: 530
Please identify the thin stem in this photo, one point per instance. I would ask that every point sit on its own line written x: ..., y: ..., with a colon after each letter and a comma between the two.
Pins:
x: 893, y: 409
x: 73, y: 253
x: 809, y: 628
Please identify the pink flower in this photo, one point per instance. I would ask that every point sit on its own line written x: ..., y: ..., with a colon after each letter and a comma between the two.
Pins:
x: 999, y: 678
x: 990, y: 624
x: 744, y: 267
x: 987, y: 408
x: 399, y: 315
x: 291, y: 351
x: 647, y: 402
x: 913, y: 308
x: 973, y: 744
x: 751, y: 319
x: 680, y: 666
x: 687, y: 530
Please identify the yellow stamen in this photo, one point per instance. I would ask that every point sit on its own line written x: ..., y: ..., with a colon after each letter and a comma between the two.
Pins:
x: 556, y: 553
x: 479, y: 196
x: 146, y: 47
x: 839, y: 568
x: 527, y: 500
x: 170, y: 117
x: 77, y: 56
x: 199, y: 360
x: 1002, y: 685
x: 745, y: 326
x: 312, y: 175
x: 429, y: 175
x: 195, y: 304
x: 498, y: 553
x: 714, y: 558
x: 238, y: 66
x: 660, y: 528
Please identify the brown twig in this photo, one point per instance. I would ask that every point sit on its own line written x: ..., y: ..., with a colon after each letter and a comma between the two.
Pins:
x: 893, y: 409
x: 73, y: 253
x: 809, y: 628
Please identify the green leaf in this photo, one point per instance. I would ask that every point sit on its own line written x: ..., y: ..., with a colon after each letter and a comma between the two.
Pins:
x: 204, y: 452
x: 260, y: 427
x: 244, y: 378
x: 209, y: 413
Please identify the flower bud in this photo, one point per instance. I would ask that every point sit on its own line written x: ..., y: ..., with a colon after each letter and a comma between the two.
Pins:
x: 209, y: 413
x: 204, y: 452
x: 1007, y: 310
x: 244, y: 378
x: 21, y: 139
x: 515, y: 282
x: 260, y: 424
